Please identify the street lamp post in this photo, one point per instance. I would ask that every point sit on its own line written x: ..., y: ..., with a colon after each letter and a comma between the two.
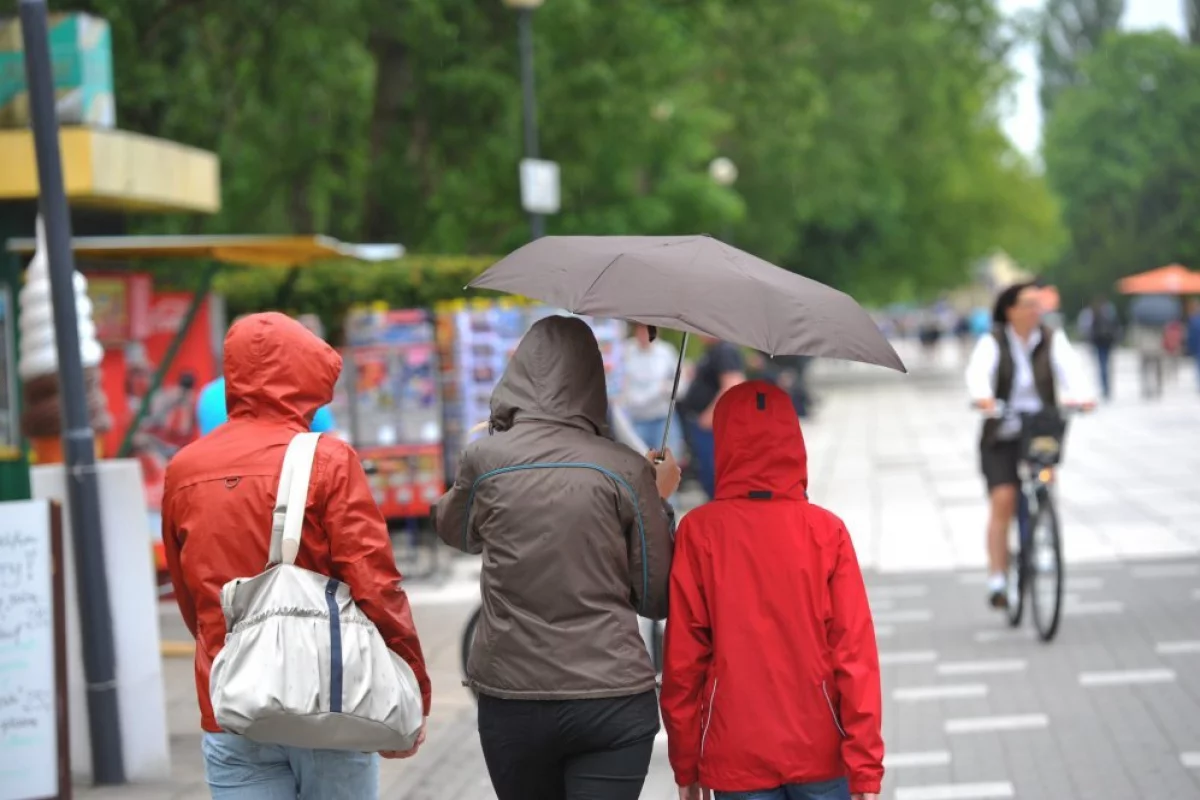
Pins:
x: 525, y: 9
x: 724, y: 173
x: 79, y: 440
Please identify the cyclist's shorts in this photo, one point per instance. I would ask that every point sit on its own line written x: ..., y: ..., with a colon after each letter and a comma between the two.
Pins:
x: 998, y: 463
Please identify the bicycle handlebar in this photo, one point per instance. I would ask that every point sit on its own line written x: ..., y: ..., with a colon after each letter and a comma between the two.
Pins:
x: 1001, y: 410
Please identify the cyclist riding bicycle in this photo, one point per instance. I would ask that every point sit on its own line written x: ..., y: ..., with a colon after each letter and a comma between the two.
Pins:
x: 1026, y: 368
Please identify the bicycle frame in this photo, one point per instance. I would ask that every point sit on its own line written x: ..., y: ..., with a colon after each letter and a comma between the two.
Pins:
x: 1035, y: 483
x: 1040, y: 454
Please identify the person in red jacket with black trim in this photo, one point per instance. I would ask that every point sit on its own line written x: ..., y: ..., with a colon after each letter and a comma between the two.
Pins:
x: 771, y: 683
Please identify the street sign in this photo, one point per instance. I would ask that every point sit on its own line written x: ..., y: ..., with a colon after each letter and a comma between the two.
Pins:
x: 540, y: 186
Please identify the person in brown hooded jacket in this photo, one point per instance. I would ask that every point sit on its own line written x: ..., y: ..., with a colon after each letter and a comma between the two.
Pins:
x: 576, y: 541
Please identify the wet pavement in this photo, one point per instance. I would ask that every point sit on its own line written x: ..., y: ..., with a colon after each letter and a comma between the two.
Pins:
x: 973, y: 709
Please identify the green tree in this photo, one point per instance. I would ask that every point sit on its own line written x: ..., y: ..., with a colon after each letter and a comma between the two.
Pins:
x: 865, y: 131
x: 279, y: 91
x: 1068, y: 31
x: 1191, y: 13
x: 1123, y: 152
x: 868, y: 141
x: 446, y: 132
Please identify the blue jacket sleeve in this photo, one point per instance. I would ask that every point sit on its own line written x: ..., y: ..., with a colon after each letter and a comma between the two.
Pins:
x: 322, y: 420
x: 210, y: 407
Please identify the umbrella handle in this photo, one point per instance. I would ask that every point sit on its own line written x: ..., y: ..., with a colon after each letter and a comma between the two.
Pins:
x: 674, y: 391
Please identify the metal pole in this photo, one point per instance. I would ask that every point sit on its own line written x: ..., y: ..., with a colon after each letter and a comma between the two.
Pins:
x: 674, y: 391
x: 79, y: 444
x: 537, y: 223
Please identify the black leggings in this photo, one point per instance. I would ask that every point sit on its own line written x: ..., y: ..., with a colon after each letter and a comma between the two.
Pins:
x: 568, y: 749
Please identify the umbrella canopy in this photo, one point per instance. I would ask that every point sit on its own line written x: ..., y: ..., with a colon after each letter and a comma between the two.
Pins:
x: 1173, y: 279
x: 694, y: 284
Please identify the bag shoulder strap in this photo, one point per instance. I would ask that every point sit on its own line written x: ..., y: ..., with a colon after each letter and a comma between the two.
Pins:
x: 287, y: 519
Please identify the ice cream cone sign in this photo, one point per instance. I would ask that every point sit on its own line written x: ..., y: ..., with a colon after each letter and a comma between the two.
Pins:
x: 37, y: 363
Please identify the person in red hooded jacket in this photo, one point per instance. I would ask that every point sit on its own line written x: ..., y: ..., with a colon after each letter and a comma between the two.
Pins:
x: 771, y: 682
x: 217, y: 526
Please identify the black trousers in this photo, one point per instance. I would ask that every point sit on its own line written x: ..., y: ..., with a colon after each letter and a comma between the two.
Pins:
x: 568, y: 749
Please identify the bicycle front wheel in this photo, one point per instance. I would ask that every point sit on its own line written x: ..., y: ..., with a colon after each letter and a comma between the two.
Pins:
x: 1045, y: 567
x: 1015, y: 589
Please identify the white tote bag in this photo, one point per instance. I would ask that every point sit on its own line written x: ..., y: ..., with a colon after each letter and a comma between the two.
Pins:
x: 301, y: 665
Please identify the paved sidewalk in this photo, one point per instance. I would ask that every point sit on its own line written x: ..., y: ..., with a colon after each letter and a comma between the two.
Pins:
x: 1109, y: 711
x: 897, y: 458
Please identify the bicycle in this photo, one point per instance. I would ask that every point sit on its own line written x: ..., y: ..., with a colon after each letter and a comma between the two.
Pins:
x: 1035, y: 564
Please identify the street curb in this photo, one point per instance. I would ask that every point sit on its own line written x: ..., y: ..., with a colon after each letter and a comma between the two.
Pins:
x: 178, y: 649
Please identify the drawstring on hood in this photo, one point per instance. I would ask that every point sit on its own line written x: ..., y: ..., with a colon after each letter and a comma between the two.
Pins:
x: 760, y: 451
x: 556, y: 374
x: 275, y: 368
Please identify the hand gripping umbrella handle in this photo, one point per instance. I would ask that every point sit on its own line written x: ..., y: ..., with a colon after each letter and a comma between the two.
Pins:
x: 671, y: 408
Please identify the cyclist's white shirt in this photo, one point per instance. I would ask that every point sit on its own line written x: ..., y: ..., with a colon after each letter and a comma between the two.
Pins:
x: 1071, y: 380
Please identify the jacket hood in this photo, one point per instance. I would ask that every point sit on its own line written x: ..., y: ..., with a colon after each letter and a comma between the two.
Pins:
x: 276, y: 369
x: 556, y: 374
x: 759, y: 447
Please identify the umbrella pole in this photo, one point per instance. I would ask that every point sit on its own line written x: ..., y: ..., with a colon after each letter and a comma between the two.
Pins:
x: 674, y: 391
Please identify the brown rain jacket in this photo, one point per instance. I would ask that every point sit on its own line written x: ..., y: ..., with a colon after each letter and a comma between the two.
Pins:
x: 220, y: 491
x: 575, y: 540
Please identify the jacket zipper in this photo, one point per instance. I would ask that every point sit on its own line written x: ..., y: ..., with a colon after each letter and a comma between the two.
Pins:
x: 712, y: 699
x: 832, y: 712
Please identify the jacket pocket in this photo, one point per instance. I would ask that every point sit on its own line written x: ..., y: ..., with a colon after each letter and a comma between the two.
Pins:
x: 832, y: 710
x: 712, y: 701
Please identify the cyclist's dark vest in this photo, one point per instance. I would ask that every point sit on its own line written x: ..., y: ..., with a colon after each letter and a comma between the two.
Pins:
x: 1043, y: 375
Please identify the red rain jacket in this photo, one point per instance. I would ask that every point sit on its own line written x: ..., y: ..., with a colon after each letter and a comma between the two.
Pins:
x: 220, y: 491
x: 772, y: 675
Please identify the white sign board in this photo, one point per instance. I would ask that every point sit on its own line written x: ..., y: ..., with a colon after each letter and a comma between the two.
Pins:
x: 30, y: 733
x: 540, y: 186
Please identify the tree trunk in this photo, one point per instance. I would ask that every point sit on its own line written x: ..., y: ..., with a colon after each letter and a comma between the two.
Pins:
x: 393, y: 79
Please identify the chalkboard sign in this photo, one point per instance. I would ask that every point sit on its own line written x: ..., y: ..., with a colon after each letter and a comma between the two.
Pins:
x: 33, y: 713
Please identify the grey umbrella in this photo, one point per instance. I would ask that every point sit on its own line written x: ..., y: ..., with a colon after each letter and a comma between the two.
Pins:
x: 1155, y: 309
x: 694, y: 284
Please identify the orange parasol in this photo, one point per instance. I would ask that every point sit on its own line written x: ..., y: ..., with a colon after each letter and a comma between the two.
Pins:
x: 1173, y: 279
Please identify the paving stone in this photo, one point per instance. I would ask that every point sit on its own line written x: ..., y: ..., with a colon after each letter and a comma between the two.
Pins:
x: 895, y: 456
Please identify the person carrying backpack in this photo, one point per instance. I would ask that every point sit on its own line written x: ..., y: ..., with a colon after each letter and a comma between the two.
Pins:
x: 1102, y: 327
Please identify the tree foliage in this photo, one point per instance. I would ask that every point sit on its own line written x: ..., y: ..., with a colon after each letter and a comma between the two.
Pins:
x: 1069, y: 30
x: 881, y: 168
x: 1123, y: 151
x: 864, y: 131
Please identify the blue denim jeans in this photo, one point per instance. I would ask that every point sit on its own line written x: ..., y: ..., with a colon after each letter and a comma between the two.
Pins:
x: 650, y: 431
x: 825, y: 790
x: 240, y: 769
x: 702, y: 450
x: 1104, y: 364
